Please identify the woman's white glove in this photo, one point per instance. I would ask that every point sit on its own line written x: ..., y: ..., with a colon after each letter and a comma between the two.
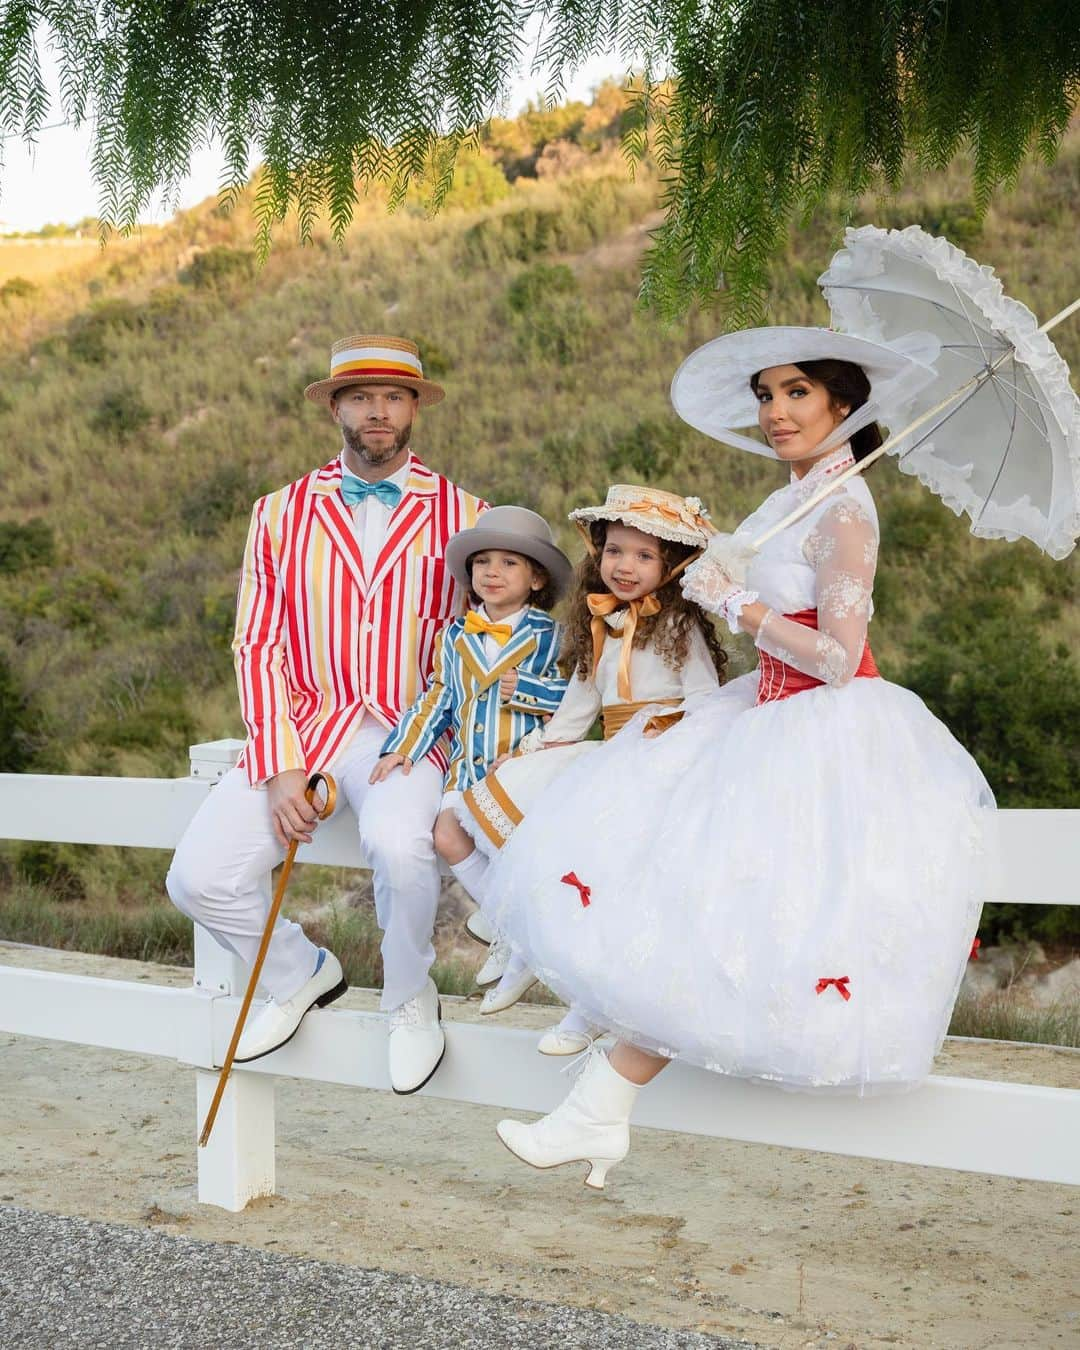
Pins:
x: 717, y: 580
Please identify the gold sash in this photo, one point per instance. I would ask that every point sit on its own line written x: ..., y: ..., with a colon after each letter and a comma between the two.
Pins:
x: 616, y: 715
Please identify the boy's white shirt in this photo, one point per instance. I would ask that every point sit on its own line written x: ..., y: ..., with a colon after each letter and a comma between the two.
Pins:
x: 493, y: 649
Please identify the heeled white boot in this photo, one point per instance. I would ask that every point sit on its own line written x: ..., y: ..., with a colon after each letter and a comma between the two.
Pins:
x: 592, y: 1125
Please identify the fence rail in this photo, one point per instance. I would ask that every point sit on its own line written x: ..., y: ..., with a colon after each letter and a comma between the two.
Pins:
x: 944, y: 1123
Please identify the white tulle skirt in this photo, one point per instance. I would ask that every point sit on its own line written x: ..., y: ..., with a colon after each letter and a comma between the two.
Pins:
x: 492, y: 810
x: 838, y: 840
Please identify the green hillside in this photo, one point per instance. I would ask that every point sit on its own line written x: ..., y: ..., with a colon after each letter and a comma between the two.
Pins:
x: 148, y: 397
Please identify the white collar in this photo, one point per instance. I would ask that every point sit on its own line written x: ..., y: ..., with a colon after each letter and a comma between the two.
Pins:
x: 399, y: 479
x: 512, y: 619
x: 829, y: 465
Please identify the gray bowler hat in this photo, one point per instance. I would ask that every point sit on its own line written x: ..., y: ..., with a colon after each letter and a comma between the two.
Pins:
x: 514, y: 529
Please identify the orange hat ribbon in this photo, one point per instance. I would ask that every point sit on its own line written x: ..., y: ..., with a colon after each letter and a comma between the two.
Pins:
x: 606, y: 603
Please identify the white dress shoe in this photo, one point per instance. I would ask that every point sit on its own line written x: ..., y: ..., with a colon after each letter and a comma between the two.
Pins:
x: 479, y: 929
x: 592, y: 1125
x: 507, y: 992
x: 498, y: 958
x: 417, y: 1042
x: 555, y: 1041
x: 278, y: 1023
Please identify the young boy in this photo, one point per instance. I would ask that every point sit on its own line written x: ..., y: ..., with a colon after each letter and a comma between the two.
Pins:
x: 494, y: 678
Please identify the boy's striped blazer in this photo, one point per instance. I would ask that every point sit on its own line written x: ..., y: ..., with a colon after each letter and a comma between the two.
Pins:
x: 319, y: 643
x: 463, y: 697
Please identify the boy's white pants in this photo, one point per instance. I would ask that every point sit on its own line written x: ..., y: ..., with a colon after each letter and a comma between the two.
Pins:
x: 220, y: 873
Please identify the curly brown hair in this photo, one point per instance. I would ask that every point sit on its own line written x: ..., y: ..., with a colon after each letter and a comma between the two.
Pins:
x: 667, y: 632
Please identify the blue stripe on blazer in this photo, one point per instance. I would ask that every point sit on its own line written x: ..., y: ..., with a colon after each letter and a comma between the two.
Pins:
x: 462, y: 697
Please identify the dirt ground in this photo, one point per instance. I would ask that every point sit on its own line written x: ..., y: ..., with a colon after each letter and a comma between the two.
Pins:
x: 782, y: 1247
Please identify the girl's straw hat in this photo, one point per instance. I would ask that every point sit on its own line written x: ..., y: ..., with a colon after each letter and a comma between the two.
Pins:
x: 711, y: 389
x: 374, y: 358
x: 516, y: 530
x: 683, y: 520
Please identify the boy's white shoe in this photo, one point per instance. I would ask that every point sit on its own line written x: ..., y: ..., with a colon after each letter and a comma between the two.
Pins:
x: 498, y: 958
x: 592, y: 1125
x: 479, y: 929
x: 518, y: 980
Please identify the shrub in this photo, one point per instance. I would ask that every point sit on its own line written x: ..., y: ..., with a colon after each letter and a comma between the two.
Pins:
x: 89, y: 334
x: 152, y: 716
x: 515, y: 236
x: 219, y: 268
x: 432, y: 357
x: 227, y: 492
x: 24, y: 546
x: 16, y: 722
x: 1014, y: 704
x: 547, y: 311
x: 120, y: 414
x: 17, y: 288
x: 650, y: 449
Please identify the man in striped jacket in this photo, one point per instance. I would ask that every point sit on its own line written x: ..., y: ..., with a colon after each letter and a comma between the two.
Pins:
x: 343, y: 589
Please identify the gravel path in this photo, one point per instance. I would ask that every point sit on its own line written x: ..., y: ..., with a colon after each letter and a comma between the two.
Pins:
x: 70, y: 1282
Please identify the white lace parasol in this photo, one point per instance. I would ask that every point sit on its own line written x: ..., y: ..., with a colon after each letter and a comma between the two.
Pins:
x: 999, y: 434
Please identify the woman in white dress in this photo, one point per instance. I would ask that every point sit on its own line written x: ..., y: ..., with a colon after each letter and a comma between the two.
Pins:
x: 784, y: 887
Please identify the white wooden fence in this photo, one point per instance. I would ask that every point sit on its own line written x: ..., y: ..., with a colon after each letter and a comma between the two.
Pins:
x: 1005, y: 1128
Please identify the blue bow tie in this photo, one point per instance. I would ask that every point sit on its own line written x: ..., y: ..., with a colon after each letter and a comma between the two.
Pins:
x: 356, y: 490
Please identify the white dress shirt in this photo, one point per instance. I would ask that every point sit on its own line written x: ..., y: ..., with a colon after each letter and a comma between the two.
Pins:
x: 371, y: 516
x: 491, y: 647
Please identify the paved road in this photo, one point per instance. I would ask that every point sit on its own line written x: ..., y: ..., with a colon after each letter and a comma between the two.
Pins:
x: 69, y: 1282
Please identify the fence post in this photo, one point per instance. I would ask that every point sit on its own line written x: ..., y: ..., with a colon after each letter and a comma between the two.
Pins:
x: 237, y: 1165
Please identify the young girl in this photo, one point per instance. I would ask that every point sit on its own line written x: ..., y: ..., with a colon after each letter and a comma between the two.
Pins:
x: 786, y: 886
x: 495, y: 677
x: 634, y: 645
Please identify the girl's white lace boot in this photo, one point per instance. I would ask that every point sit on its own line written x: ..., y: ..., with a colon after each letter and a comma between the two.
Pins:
x: 592, y: 1125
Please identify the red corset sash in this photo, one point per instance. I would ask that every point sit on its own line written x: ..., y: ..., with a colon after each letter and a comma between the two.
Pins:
x: 777, y: 680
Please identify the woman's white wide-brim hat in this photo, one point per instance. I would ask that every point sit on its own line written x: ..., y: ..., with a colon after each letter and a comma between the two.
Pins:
x: 515, y: 529
x: 711, y: 389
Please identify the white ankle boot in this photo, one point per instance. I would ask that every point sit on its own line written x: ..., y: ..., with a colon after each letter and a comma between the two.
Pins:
x: 592, y: 1125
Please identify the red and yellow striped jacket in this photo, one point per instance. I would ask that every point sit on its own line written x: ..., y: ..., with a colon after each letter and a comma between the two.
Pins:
x: 319, y: 643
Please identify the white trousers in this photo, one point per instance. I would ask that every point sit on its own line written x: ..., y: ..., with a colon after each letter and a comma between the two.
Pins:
x: 220, y: 873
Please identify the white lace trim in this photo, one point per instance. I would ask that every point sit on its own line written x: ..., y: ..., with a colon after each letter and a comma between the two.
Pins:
x: 492, y: 812
x: 852, y: 313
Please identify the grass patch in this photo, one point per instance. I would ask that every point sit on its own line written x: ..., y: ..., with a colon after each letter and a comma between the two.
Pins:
x: 1002, y: 1017
x: 153, y: 932
x: 354, y: 937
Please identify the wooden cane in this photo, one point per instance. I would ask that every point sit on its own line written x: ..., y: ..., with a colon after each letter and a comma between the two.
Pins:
x: 330, y: 789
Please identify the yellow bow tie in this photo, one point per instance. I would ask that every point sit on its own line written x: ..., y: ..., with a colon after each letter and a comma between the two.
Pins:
x: 603, y: 603
x: 476, y: 623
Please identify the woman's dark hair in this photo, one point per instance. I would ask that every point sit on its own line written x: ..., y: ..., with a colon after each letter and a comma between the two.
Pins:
x: 544, y: 598
x: 847, y: 387
x: 669, y: 630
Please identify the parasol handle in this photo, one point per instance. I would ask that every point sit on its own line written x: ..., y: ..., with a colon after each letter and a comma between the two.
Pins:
x: 1064, y: 314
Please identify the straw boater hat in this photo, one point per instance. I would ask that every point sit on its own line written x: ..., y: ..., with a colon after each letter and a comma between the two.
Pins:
x: 683, y: 520
x: 516, y: 530
x: 711, y: 389
x: 373, y: 358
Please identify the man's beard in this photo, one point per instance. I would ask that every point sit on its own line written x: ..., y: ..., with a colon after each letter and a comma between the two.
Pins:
x: 376, y: 454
